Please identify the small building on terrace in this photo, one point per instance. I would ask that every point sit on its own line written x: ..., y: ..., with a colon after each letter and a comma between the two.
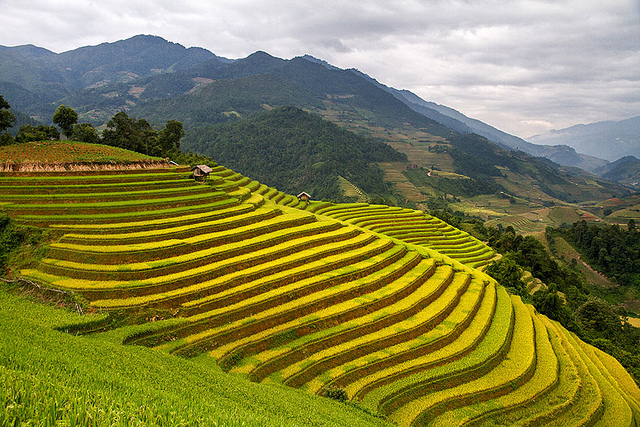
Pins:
x: 201, y: 172
x: 304, y: 197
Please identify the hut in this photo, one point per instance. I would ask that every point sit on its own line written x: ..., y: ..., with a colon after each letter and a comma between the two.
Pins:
x: 201, y: 172
x: 304, y: 197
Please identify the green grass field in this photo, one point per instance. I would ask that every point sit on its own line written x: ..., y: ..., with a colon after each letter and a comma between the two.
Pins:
x: 51, y: 378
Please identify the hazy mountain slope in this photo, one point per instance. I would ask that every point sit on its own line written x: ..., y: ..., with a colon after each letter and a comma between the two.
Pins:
x: 609, y: 140
x: 297, y: 82
x: 152, y: 78
x: 560, y: 154
x: 124, y: 60
x: 26, y: 80
x: 625, y: 170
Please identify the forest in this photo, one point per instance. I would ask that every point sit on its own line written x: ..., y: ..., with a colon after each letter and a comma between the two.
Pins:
x: 610, y: 249
x: 294, y: 151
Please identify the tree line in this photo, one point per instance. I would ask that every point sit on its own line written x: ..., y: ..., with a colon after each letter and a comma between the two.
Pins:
x: 121, y: 131
x: 610, y: 249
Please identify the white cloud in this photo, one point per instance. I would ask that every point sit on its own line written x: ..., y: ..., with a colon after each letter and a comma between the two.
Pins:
x: 521, y: 65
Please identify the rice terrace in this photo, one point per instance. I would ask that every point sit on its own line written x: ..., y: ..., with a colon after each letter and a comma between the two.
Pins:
x: 227, y: 302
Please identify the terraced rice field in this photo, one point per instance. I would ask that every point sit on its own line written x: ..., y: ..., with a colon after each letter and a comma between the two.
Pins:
x: 381, y: 303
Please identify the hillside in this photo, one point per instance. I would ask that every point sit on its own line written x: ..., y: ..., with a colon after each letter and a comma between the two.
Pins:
x: 561, y: 154
x: 47, y: 375
x: 39, y: 156
x: 295, y: 151
x: 33, y: 77
x: 354, y: 301
x: 625, y: 170
x: 159, y: 80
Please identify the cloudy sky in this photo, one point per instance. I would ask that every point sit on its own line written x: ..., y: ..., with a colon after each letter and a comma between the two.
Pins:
x: 524, y: 66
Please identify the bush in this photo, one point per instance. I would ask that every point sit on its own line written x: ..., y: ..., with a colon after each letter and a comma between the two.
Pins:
x: 337, y: 393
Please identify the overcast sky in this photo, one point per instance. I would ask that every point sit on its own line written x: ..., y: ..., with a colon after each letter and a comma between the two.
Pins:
x: 524, y: 66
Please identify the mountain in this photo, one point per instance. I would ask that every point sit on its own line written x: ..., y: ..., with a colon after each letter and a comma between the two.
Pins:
x: 608, y: 140
x: 625, y: 170
x: 150, y: 77
x: 561, y: 154
x: 296, y: 151
x: 32, y: 77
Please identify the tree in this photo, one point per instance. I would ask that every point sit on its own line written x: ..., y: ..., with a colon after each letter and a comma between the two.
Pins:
x: 131, y: 134
x: 84, y: 132
x: 65, y: 117
x: 169, y: 137
x: 7, y: 119
x: 508, y: 273
x: 37, y: 133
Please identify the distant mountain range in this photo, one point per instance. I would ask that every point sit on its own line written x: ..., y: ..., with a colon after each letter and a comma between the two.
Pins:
x: 608, y: 140
x: 150, y: 77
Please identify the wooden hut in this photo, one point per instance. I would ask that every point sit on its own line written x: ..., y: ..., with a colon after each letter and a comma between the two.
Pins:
x: 304, y: 197
x: 201, y: 172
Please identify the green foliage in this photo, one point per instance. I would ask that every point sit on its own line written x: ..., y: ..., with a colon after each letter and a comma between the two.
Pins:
x: 137, y: 135
x: 338, y: 394
x: 296, y: 151
x: 7, y: 119
x: 10, y: 239
x: 29, y: 133
x: 508, y: 273
x: 84, y: 132
x: 65, y: 117
x: 169, y: 137
x: 608, y: 248
x: 13, y: 239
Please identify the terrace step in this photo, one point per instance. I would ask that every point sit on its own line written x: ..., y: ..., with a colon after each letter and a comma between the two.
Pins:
x: 472, y: 307
x: 243, y: 254
x: 286, y: 300
x: 412, y: 226
x: 423, y: 375
x: 176, y: 232
x: 361, y: 381
x: 616, y: 409
x: 544, y: 380
x: 17, y: 188
x: 545, y: 408
x: 161, y: 249
x: 114, y: 207
x: 194, y: 287
x: 514, y: 369
x: 428, y: 293
x: 95, y: 197
x: 156, y: 224
x: 397, y: 284
x: 401, y: 331
x: 46, y: 219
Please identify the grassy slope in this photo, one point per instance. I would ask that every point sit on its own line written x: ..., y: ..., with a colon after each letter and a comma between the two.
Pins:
x: 55, y: 152
x: 58, y: 379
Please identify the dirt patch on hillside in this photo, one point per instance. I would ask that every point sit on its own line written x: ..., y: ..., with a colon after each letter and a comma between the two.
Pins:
x: 79, y: 167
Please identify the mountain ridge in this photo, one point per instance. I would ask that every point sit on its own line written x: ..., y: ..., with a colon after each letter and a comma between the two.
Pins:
x: 610, y: 140
x: 203, y: 89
